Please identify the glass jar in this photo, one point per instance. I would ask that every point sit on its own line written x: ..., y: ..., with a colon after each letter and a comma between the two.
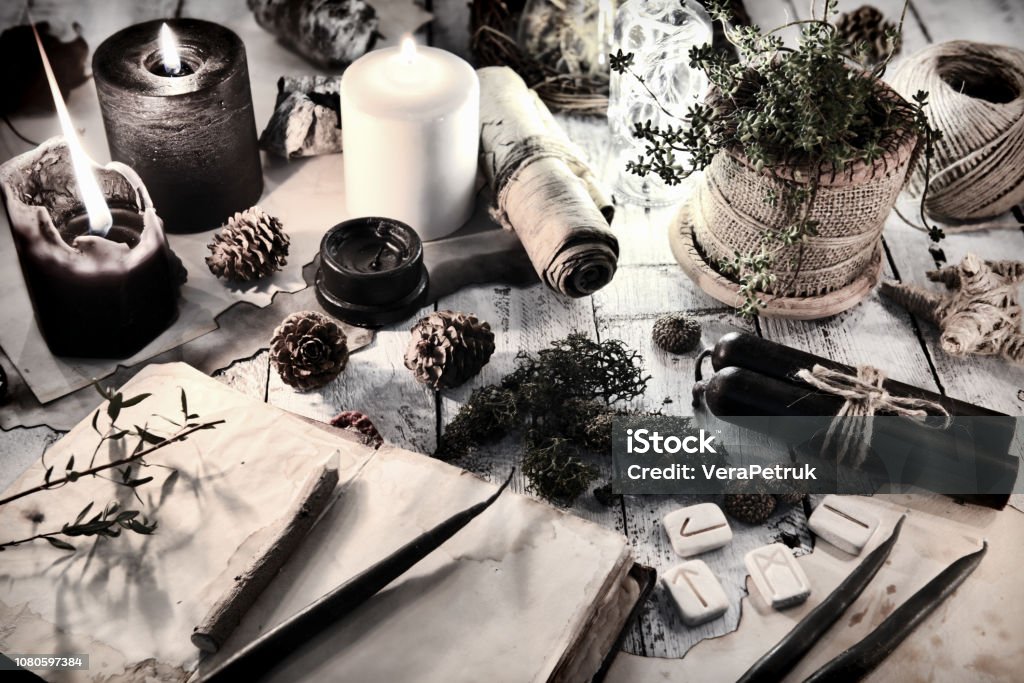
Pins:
x: 660, y: 34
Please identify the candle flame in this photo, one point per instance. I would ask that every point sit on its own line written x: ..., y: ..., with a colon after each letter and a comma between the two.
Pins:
x: 169, y: 50
x: 408, y: 49
x: 100, y: 220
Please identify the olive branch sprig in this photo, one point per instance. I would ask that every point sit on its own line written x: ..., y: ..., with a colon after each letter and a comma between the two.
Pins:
x: 111, y: 519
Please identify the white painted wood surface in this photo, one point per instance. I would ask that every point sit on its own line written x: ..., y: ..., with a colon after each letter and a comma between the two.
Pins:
x: 648, y: 284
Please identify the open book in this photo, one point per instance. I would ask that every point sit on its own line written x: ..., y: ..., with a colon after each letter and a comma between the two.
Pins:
x: 524, y: 593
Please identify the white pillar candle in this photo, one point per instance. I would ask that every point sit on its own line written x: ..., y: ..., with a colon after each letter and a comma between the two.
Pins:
x: 410, y: 120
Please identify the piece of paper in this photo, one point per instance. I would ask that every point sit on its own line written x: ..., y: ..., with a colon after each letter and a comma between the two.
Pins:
x: 307, y: 195
x: 521, y: 568
x: 974, y: 635
x: 242, y: 331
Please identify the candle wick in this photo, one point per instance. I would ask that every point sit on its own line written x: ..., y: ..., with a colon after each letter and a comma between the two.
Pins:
x: 375, y: 263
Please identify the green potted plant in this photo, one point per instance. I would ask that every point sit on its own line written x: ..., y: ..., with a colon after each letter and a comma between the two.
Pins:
x: 803, y: 154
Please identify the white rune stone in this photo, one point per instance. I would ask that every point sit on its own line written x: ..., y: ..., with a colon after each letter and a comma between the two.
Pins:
x: 697, y: 529
x: 696, y: 591
x: 844, y: 522
x: 778, y: 577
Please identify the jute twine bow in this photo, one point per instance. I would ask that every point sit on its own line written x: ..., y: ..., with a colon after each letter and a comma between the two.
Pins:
x: 851, y: 429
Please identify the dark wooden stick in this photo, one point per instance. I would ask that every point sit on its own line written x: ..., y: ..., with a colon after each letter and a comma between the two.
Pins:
x: 862, y: 658
x: 229, y: 609
x: 780, y: 660
x: 258, y: 657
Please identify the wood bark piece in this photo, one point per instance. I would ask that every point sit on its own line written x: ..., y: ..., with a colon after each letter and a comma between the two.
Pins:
x: 329, y: 33
x: 307, y: 118
x: 227, y: 612
x: 543, y: 188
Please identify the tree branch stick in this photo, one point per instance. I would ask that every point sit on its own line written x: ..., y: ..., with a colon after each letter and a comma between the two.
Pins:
x: 229, y: 609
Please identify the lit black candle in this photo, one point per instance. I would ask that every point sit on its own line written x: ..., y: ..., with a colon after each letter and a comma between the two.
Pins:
x: 371, y: 271
x: 97, y: 292
x: 177, y: 108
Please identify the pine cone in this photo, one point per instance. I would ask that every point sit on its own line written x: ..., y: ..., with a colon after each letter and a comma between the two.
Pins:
x: 752, y: 508
x: 252, y: 245
x: 676, y: 333
x: 309, y: 350
x: 448, y: 347
x: 866, y: 27
x: 354, y: 421
x: 790, y: 498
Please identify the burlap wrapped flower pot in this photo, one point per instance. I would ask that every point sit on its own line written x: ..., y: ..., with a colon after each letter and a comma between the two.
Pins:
x: 824, y: 273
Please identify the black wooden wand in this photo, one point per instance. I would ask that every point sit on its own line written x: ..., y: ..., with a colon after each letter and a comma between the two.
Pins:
x: 258, y: 657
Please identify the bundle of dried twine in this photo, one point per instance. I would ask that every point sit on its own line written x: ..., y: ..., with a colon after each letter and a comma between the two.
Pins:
x: 864, y: 395
x: 976, y: 98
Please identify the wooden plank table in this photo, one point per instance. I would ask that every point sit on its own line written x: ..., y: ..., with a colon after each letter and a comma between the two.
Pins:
x: 648, y: 284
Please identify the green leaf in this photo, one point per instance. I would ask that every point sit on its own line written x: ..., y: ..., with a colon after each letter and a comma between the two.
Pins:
x: 57, y: 543
x: 49, y: 473
x: 103, y: 391
x: 95, y: 420
x: 184, y: 403
x: 139, y: 482
x: 134, y: 400
x: 83, y: 513
x: 114, y: 407
x: 147, y: 436
x: 71, y: 463
x: 117, y: 436
x: 141, y: 527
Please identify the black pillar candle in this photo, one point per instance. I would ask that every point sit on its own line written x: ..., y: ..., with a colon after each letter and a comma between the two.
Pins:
x: 371, y: 271
x: 189, y: 131
x: 94, y: 296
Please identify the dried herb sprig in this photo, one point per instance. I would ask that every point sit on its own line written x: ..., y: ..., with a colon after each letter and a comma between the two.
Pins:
x: 111, y: 520
x: 553, y: 398
x: 810, y: 107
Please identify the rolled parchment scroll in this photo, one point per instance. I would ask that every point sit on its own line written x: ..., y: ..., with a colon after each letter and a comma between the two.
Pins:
x: 544, y: 191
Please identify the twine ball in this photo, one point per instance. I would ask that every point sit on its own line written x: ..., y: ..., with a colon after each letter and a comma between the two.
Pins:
x: 976, y: 98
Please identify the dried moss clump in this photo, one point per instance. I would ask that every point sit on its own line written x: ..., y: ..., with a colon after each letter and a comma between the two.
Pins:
x: 552, y: 398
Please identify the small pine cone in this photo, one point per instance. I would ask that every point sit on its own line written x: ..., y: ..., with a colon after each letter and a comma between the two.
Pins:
x: 752, y: 508
x: 676, y: 333
x: 354, y: 421
x: 309, y: 350
x: 252, y: 245
x: 792, y: 498
x: 867, y: 25
x: 447, y: 348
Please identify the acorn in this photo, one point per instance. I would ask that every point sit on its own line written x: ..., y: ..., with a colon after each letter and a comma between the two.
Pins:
x: 752, y: 508
x: 676, y: 333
